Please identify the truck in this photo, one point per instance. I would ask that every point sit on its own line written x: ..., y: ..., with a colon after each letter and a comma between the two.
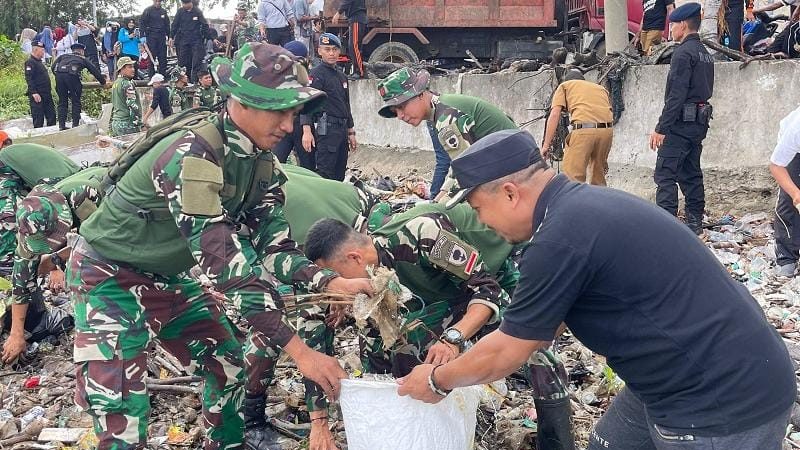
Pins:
x: 407, y: 31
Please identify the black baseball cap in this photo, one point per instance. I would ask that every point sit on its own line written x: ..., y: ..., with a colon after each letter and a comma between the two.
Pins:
x: 37, y: 43
x: 493, y: 157
x: 77, y: 46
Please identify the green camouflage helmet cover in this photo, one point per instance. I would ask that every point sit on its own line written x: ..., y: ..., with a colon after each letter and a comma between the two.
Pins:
x: 124, y: 61
x: 43, y: 220
x: 401, y: 86
x: 266, y: 77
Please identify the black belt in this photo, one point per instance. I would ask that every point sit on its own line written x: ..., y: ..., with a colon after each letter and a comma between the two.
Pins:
x: 336, y: 121
x: 148, y: 214
x: 578, y: 126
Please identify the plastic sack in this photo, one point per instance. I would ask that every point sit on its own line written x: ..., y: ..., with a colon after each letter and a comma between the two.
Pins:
x: 376, y: 418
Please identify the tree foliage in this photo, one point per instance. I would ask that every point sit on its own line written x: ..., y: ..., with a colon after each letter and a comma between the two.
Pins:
x: 18, y: 14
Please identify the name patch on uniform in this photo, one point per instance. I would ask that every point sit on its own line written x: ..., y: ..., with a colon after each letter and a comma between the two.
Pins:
x: 454, y: 255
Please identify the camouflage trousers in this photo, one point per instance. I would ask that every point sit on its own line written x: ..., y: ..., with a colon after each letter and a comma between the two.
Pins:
x: 260, y: 357
x: 119, y: 311
x: 9, y: 196
x: 122, y: 127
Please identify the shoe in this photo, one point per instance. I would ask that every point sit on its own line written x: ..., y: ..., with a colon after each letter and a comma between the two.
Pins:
x: 786, y: 270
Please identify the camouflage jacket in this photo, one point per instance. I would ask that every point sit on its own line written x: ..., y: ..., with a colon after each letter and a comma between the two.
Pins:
x: 125, y: 102
x: 207, y: 194
x: 12, y: 188
x: 461, y: 120
x: 430, y: 243
x: 246, y: 31
x: 179, y: 99
x: 26, y: 265
x: 206, y: 97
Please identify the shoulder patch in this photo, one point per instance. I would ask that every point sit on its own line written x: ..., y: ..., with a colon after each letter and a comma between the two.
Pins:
x: 454, y: 255
x: 452, y: 139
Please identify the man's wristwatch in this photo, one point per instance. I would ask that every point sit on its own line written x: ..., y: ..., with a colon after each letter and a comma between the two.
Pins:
x: 436, y: 389
x: 454, y: 336
x: 57, y: 261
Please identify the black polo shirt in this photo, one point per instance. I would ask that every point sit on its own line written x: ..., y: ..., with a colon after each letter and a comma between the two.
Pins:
x: 637, y: 286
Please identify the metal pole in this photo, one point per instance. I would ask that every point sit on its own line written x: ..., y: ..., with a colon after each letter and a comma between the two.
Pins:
x: 616, y: 14
x: 94, y: 13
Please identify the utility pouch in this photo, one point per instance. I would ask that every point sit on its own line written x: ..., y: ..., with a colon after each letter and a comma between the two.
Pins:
x: 322, y: 125
x: 705, y: 113
x: 689, y: 112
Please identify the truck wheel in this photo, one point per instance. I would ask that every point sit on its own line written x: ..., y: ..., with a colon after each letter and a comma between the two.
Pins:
x: 395, y: 52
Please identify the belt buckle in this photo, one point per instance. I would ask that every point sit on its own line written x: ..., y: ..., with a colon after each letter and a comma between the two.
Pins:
x: 145, y: 214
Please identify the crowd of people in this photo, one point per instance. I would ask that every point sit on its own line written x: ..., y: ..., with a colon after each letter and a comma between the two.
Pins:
x: 196, y: 220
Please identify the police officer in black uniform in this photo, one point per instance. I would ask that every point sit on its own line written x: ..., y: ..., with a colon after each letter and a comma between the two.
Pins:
x: 335, y: 135
x: 683, y: 124
x: 39, y: 95
x: 189, y: 29
x: 154, y: 26
x: 67, y: 69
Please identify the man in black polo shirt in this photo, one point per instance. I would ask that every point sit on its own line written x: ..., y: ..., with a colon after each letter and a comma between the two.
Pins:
x: 703, y: 367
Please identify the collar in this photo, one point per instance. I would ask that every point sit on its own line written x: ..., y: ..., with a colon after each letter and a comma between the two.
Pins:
x: 549, y: 192
x: 692, y: 36
x: 238, y: 141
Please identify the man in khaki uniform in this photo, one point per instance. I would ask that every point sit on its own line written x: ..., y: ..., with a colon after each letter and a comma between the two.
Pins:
x: 590, y: 117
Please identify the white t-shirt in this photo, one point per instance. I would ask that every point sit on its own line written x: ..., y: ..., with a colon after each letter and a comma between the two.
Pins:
x: 788, y: 140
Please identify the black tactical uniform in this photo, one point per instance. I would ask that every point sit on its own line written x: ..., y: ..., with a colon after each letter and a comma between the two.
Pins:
x: 67, y: 69
x: 332, y: 122
x: 684, y: 120
x: 356, y: 12
x: 154, y: 25
x: 189, y: 30
x: 39, y: 83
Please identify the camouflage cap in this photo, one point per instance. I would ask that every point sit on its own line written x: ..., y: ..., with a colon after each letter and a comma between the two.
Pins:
x: 400, y: 87
x: 124, y: 61
x: 267, y: 77
x: 43, y: 220
x: 242, y: 6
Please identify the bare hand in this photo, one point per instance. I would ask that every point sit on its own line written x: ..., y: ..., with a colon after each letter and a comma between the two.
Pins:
x: 45, y: 265
x: 441, y: 353
x: 545, y: 153
x: 37, y: 98
x: 14, y: 345
x: 323, y: 370
x: 350, y: 286
x: 57, y: 280
x: 321, y: 437
x: 656, y: 140
x: 336, y: 315
x: 416, y: 385
x: 308, y: 141
x: 353, y: 144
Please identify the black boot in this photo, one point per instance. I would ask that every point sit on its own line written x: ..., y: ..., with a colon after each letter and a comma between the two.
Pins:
x: 555, y: 429
x: 258, y: 434
x: 695, y: 223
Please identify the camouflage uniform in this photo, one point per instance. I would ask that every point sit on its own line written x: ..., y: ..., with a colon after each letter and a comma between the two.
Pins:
x: 179, y: 205
x: 126, y: 109
x: 248, y: 32
x: 22, y: 166
x: 309, y: 197
x: 206, y: 97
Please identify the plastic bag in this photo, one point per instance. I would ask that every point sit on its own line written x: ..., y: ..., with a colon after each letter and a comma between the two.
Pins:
x: 376, y: 418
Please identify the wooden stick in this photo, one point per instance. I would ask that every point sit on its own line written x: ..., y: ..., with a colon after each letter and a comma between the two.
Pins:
x: 172, y: 388
x: 174, y: 380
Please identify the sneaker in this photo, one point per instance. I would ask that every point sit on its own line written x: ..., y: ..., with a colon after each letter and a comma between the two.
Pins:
x: 786, y: 270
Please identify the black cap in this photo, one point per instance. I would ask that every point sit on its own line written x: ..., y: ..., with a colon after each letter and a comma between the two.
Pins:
x: 187, y: 1
x: 77, y: 46
x: 37, y: 43
x: 493, y: 157
x: 685, y: 11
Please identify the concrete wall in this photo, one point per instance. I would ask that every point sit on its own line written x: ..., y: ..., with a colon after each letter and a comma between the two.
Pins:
x: 748, y: 105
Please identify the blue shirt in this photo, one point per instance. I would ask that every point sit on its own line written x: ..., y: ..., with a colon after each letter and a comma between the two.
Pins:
x: 130, y: 45
x: 635, y: 285
x: 275, y: 13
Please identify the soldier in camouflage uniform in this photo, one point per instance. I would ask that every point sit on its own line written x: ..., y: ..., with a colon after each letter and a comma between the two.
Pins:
x: 126, y: 106
x: 23, y: 166
x: 245, y: 29
x: 460, y: 120
x: 43, y: 219
x: 206, y: 94
x: 178, y: 97
x: 180, y: 204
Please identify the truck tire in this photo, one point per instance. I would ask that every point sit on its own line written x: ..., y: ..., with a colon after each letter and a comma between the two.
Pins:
x: 396, y: 52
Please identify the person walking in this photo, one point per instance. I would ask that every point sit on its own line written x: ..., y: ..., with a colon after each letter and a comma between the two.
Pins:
x: 188, y: 36
x: 679, y: 134
x: 39, y: 92
x: 67, y: 69
x: 154, y: 26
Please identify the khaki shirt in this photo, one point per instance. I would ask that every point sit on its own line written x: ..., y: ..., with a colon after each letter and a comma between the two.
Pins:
x: 585, y: 101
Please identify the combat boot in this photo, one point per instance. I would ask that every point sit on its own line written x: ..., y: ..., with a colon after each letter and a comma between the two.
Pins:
x: 555, y: 428
x: 695, y: 223
x: 258, y: 434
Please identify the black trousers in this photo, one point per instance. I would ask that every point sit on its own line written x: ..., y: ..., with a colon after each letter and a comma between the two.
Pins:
x: 158, y: 47
x: 69, y: 89
x: 294, y: 142
x: 332, y: 150
x: 787, y: 221
x: 43, y: 110
x: 734, y: 17
x: 354, y: 44
x: 190, y: 56
x: 279, y: 36
x: 678, y: 164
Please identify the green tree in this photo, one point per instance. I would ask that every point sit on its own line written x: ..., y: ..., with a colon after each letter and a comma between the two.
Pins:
x: 18, y: 14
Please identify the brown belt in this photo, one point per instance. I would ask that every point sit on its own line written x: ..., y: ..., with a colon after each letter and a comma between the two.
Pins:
x: 578, y: 126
